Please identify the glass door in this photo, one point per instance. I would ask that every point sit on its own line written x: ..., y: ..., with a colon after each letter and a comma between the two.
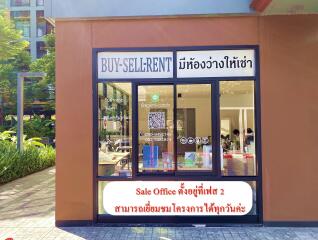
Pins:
x: 174, y: 128
x: 194, y: 127
x: 237, y: 128
x: 155, y: 128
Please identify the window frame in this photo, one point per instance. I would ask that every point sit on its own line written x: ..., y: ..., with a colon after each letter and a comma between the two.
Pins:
x: 215, y: 84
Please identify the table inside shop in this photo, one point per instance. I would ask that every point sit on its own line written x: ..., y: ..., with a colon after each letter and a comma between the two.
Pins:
x: 108, y: 161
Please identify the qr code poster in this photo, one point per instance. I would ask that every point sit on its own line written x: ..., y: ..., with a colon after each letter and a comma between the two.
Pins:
x: 156, y: 120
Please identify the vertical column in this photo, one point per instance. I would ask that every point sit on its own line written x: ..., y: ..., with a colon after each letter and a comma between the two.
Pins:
x: 217, y: 156
x: 20, y: 112
x: 33, y: 35
x: 135, y: 147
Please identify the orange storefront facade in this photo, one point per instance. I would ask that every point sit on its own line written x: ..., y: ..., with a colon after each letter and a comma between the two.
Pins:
x: 283, y: 109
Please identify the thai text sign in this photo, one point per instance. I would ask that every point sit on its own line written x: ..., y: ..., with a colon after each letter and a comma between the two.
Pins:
x: 116, y: 65
x: 144, y: 198
x: 215, y: 63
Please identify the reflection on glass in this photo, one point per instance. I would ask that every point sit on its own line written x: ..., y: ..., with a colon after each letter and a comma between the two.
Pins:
x: 40, y: 49
x: 114, y: 128
x: 101, y: 187
x: 155, y: 128
x: 194, y: 135
x: 19, y: 3
x: 40, y: 24
x: 21, y: 20
x: 39, y: 2
x: 253, y: 211
x: 237, y: 128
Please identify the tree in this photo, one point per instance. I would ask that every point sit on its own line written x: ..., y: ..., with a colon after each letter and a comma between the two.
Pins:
x: 11, y: 42
x: 13, y: 58
x: 45, y: 88
x: 47, y: 62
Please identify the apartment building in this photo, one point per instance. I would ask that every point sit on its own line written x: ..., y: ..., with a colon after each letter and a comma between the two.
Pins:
x: 28, y: 16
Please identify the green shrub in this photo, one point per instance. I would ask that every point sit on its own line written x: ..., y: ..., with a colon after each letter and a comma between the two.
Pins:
x: 2, y: 128
x: 104, y: 134
x: 15, y: 164
x: 38, y: 127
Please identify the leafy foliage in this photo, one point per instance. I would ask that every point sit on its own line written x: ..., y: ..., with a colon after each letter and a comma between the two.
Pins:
x: 13, y: 58
x: 11, y: 42
x: 6, y: 135
x: 38, y: 127
x: 14, y: 164
x: 9, y: 136
x: 8, y: 79
x: 45, y: 88
x: 104, y: 134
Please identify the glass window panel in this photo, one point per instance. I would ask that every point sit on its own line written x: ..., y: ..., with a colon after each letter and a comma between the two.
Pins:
x: 194, y: 121
x: 21, y: 20
x: 40, y: 2
x: 114, y: 127
x: 40, y: 49
x: 254, y: 209
x: 155, y: 128
x: 101, y: 186
x: 40, y: 24
x: 237, y: 128
x: 18, y: 3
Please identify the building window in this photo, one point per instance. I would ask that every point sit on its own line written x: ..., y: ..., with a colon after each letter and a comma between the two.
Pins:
x: 21, y: 20
x: 155, y: 128
x: 114, y: 129
x: 3, y: 4
x: 39, y: 2
x: 184, y: 144
x: 237, y: 128
x: 156, y: 132
x: 194, y: 127
x: 40, y: 24
x: 19, y: 3
x: 40, y: 49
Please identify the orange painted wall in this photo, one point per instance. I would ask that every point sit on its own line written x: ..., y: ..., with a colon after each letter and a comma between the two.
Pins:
x: 74, y: 172
x: 289, y: 92
x: 289, y: 101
